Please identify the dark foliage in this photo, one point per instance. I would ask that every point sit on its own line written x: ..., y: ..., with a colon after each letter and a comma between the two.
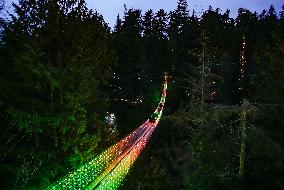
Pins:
x: 62, y: 69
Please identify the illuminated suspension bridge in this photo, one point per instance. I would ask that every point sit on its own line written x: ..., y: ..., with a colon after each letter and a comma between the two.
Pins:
x: 108, y: 170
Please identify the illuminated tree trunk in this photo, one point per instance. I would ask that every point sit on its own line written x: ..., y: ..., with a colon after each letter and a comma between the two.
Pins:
x: 242, y: 65
x: 244, y: 107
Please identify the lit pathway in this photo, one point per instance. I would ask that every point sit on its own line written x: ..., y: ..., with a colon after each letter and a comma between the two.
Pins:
x: 108, y: 170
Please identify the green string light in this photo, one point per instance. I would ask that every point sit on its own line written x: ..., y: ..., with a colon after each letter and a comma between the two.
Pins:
x: 108, y: 170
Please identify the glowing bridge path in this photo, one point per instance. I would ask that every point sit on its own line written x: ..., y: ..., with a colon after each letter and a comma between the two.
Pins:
x: 108, y: 170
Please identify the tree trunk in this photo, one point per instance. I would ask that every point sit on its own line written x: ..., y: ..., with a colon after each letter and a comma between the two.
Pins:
x: 243, y: 137
x: 203, y: 68
x: 55, y: 135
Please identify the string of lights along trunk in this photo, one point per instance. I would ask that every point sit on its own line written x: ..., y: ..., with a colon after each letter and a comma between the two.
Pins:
x: 108, y: 169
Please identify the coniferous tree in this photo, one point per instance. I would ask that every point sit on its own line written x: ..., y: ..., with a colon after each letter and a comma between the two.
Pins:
x: 160, y: 26
x: 62, y: 68
x: 178, y: 45
x: 130, y: 52
x: 61, y: 60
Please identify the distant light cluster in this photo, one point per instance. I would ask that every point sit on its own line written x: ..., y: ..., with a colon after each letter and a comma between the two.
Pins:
x: 137, y: 101
x: 111, y: 121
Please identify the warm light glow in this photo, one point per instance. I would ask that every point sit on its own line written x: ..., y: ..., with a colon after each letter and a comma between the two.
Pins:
x: 242, y: 63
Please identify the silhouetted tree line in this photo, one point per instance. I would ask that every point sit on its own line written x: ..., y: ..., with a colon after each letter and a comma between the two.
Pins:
x: 62, y: 68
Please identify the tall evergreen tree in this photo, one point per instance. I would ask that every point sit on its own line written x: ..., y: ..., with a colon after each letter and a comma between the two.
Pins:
x: 62, y: 69
x: 129, y: 50
x: 160, y: 24
x: 61, y: 60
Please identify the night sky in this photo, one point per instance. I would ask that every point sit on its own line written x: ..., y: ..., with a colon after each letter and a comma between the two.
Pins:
x: 111, y: 8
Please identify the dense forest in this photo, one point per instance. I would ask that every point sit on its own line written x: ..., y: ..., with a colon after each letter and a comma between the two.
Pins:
x: 63, y: 70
